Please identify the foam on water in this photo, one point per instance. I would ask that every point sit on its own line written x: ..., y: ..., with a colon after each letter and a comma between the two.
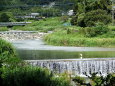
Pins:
x: 78, y: 66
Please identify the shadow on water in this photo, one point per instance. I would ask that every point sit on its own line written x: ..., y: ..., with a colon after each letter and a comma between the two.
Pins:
x: 36, y: 49
x: 51, y: 54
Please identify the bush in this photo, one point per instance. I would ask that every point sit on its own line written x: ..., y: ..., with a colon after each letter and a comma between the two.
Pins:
x: 61, y: 80
x: 6, y: 47
x: 94, y: 31
x: 6, y: 51
x: 95, y: 80
x: 79, y: 80
x: 31, y: 76
x: 110, y: 34
x: 108, y: 80
x: 74, y: 20
x: 80, y: 20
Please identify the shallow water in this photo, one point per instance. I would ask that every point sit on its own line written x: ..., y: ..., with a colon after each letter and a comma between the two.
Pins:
x: 36, y: 49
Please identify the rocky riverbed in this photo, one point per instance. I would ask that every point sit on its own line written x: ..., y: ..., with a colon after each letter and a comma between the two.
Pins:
x: 21, y: 36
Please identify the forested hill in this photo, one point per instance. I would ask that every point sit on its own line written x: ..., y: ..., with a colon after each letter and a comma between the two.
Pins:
x: 32, y: 2
x: 59, y: 6
x: 19, y: 3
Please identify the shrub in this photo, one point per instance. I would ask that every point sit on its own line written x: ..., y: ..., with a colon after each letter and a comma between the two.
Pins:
x: 61, y: 80
x: 108, y: 80
x: 95, y: 80
x: 6, y: 47
x: 80, y: 20
x: 110, y: 34
x: 31, y: 76
x: 6, y: 51
x: 79, y: 80
x: 74, y: 20
x: 94, y: 31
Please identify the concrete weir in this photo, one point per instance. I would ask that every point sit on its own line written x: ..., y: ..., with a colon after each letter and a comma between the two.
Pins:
x: 78, y: 66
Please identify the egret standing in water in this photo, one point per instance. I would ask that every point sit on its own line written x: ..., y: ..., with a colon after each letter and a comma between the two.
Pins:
x: 81, y: 55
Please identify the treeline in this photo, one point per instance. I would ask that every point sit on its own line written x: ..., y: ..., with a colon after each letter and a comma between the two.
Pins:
x: 24, y: 7
x: 33, y: 2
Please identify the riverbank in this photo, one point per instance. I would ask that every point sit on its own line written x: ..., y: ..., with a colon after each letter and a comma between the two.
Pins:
x: 76, y: 39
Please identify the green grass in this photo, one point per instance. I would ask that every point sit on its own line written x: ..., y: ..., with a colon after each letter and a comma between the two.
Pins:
x: 3, y: 29
x: 112, y: 27
x: 69, y: 35
x: 43, y: 25
x: 61, y: 38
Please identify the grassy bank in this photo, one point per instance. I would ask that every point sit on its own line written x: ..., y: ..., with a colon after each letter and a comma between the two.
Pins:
x: 43, y: 25
x: 62, y: 38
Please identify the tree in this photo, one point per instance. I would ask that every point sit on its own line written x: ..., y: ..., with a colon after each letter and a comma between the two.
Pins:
x: 7, y: 17
x: 89, y: 11
x: 95, y: 16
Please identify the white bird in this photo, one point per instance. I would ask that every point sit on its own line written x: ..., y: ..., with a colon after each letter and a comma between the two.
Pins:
x: 81, y: 55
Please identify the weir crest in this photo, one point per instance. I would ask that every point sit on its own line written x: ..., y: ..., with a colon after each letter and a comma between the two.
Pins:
x: 79, y: 67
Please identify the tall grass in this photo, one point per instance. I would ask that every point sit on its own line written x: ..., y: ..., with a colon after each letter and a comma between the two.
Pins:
x: 32, y: 76
x: 63, y: 39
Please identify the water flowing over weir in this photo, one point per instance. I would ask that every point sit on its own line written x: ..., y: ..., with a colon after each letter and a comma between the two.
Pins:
x: 59, y: 61
x: 78, y: 66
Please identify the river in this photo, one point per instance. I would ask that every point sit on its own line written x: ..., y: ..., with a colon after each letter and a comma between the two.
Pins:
x: 37, y: 50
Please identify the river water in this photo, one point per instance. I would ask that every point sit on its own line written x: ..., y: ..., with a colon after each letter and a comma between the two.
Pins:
x: 37, y: 50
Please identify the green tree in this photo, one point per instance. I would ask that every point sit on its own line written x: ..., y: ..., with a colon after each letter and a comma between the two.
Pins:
x: 95, y: 16
x: 83, y: 8
x: 7, y: 17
